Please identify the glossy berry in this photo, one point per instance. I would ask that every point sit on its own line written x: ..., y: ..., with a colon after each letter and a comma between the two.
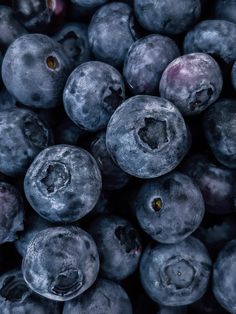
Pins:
x: 61, y: 263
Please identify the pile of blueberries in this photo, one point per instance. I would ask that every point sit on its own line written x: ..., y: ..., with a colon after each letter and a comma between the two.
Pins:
x: 117, y: 157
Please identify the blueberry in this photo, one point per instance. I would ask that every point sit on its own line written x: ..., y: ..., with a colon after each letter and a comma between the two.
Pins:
x: 74, y: 38
x: 92, y: 93
x: 35, y: 69
x: 22, y: 136
x: 66, y: 132
x: 216, y: 37
x: 104, y: 297
x: 118, y: 246
x: 216, y: 183
x: 225, y: 10
x: 88, y: 4
x: 192, y: 82
x: 176, y: 274
x: 17, y: 298
x: 172, y: 310
x: 146, y: 60
x: 11, y: 214
x: 63, y: 183
x: 223, y: 277
x: 234, y: 75
x: 147, y: 136
x: 169, y: 208
x: 112, y: 31
x: 61, y: 263
x: 7, y: 101
x: 219, y: 124
x: 167, y: 17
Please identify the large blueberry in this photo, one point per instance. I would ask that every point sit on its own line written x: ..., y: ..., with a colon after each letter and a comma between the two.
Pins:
x: 112, y: 31
x: 234, y: 75
x: 225, y: 10
x: 146, y: 60
x: 169, y: 208
x: 104, y: 297
x: 92, y: 93
x: 61, y: 263
x: 147, y: 136
x: 167, y: 17
x: 63, y: 183
x: 219, y: 123
x: 22, y: 136
x: 35, y: 69
x: 192, y: 82
x: 176, y: 274
x: 118, y: 246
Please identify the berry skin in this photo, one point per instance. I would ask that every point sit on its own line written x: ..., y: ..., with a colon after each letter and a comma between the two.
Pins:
x: 54, y: 178
x: 234, y: 75
x: 225, y: 10
x: 61, y: 263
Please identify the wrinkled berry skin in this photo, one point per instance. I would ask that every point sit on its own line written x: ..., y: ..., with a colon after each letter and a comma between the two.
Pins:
x: 35, y: 69
x: 63, y: 183
x: 146, y: 60
x: 113, y: 177
x: 216, y: 183
x: 61, y: 263
x: 11, y: 214
x: 219, y: 123
x: 105, y: 296
x: 225, y: 10
x: 234, y: 76
x: 118, y: 246
x: 192, y: 82
x: 22, y: 136
x: 168, y: 17
x: 92, y: 93
x: 216, y: 37
x: 223, y: 277
x: 169, y: 208
x: 176, y: 274
x: 147, y: 136
x: 74, y: 39
x: 17, y: 298
x: 112, y: 31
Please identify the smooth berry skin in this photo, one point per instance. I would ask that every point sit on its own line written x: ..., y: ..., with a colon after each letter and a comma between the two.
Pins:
x: 147, y: 136
x: 215, y: 37
x: 223, y: 283
x: 219, y: 123
x: 176, y: 274
x: 35, y: 69
x: 118, y: 245
x: 216, y: 183
x: 233, y: 75
x: 192, y: 82
x: 11, y: 214
x: 225, y: 10
x: 113, y: 178
x: 169, y: 208
x: 54, y: 178
x: 61, y: 263
x: 92, y: 93
x: 105, y: 296
x: 22, y: 136
x: 111, y: 32
x: 146, y: 60
x: 167, y: 17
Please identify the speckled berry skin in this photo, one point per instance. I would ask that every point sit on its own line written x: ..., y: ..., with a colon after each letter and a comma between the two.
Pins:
x: 225, y: 10
x: 146, y: 60
x: 61, y: 263
x: 167, y: 16
x: 11, y: 214
x: 22, y: 136
x: 176, y: 274
x: 92, y: 93
x: 192, y: 82
x: 35, y: 69
x: 111, y: 32
x: 223, y: 277
x: 105, y: 297
x: 234, y: 75
x: 147, y: 136
x: 88, y: 4
x: 216, y: 37
x: 219, y: 123
x: 63, y: 183
x: 169, y: 208
x: 118, y: 244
